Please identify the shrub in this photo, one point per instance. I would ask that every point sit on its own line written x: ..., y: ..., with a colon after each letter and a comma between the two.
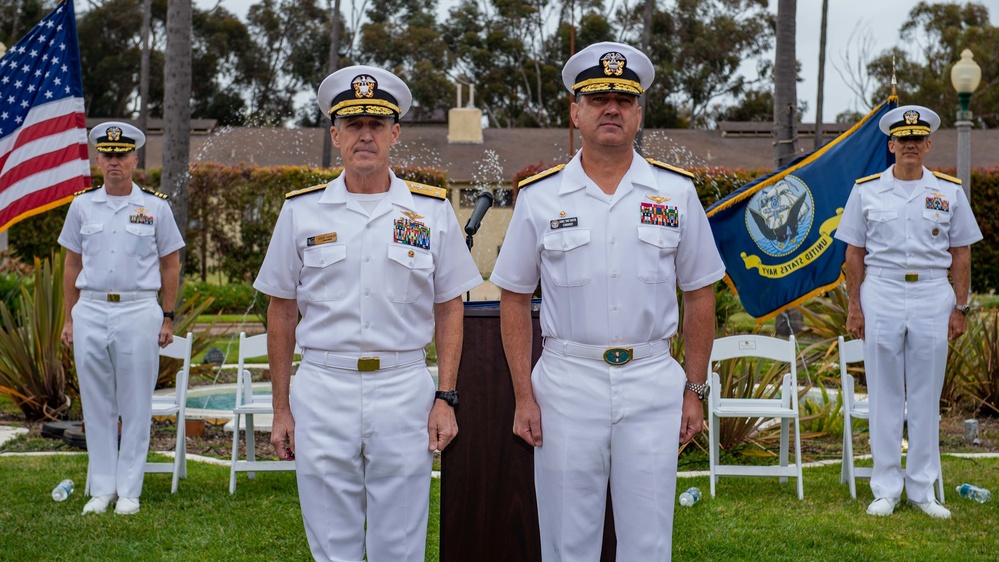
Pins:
x: 233, y: 298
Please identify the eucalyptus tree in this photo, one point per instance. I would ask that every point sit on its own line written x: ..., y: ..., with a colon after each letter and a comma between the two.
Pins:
x: 785, y: 86
x: 177, y: 110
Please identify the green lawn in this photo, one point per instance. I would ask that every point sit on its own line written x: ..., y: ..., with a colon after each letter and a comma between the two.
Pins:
x: 754, y: 519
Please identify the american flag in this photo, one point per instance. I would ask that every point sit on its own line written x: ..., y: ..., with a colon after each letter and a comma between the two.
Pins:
x: 43, y: 128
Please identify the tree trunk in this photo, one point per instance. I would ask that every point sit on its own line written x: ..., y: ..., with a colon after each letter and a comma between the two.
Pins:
x: 785, y: 86
x: 647, y: 16
x: 331, y: 65
x: 147, y: 6
x: 177, y: 111
x: 822, y: 76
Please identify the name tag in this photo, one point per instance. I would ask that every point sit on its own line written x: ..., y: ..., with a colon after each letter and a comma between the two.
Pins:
x: 321, y: 239
x: 564, y: 223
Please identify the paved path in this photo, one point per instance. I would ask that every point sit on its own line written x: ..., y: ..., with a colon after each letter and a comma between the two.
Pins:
x: 7, y: 433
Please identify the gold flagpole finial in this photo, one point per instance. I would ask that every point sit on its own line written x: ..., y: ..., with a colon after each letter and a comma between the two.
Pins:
x: 894, y: 80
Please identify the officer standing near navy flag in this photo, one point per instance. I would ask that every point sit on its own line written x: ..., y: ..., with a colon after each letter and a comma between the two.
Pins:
x: 122, y: 246
x: 906, y: 229
x: 611, y: 236
x: 376, y: 266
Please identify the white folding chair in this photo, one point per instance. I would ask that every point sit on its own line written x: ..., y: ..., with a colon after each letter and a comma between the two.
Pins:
x: 853, y: 352
x: 172, y: 405
x: 248, y: 405
x: 774, y: 403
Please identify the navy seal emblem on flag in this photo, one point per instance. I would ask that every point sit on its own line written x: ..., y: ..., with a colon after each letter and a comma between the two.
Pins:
x: 779, y: 217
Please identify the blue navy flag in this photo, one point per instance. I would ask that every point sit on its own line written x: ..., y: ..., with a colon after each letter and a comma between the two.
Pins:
x: 775, y: 234
x: 43, y: 128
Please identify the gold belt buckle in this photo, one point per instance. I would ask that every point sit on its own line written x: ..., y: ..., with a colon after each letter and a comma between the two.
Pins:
x: 618, y: 356
x: 912, y: 277
x: 369, y: 364
x: 114, y: 297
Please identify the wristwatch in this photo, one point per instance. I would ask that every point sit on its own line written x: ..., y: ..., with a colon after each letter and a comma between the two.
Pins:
x: 963, y: 308
x: 701, y: 390
x: 449, y: 396
x: 168, y: 315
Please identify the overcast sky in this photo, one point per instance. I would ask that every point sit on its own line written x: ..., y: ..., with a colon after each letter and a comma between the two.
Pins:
x: 882, y: 19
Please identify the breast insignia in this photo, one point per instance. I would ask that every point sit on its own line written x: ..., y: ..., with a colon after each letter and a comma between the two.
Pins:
x: 304, y: 190
x: 866, y: 179
x: 155, y: 193
x: 945, y: 177
x: 540, y: 176
x: 674, y: 169
x: 427, y: 190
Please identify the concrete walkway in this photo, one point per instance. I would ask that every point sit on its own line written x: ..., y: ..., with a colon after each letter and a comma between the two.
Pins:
x: 7, y: 433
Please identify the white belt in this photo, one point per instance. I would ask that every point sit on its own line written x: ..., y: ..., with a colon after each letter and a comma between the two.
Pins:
x: 364, y: 361
x: 118, y: 297
x: 616, y: 356
x: 910, y: 275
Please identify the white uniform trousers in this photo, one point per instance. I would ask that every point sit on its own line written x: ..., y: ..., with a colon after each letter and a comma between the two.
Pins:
x: 603, y: 422
x: 116, y: 347
x: 361, y: 454
x: 905, y: 356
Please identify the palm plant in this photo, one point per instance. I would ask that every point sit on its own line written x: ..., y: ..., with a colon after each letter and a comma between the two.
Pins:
x: 971, y: 381
x: 32, y: 358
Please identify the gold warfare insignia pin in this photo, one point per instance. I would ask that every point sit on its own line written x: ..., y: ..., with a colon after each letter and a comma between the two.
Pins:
x: 659, y: 199
x: 321, y: 239
x: 613, y: 63
x: 911, y: 117
x: 412, y: 215
x: 936, y: 231
x: 114, y: 133
x: 364, y: 86
x: 141, y: 210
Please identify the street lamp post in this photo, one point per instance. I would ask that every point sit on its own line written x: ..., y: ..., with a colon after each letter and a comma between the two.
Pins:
x: 965, y: 76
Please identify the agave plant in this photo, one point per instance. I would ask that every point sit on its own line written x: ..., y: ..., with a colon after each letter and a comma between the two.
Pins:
x: 186, y: 316
x: 32, y: 357
x: 971, y: 382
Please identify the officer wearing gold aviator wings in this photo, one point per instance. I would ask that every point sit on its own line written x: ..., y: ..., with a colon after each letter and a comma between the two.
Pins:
x: 611, y: 236
x: 376, y: 266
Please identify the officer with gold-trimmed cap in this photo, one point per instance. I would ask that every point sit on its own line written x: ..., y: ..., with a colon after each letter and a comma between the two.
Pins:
x: 906, y: 230
x: 115, y: 137
x: 611, y: 236
x: 122, y: 249
x: 373, y: 263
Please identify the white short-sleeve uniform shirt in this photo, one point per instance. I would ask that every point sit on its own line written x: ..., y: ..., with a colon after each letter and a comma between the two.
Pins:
x: 908, y: 231
x: 367, y: 283
x: 609, y: 265
x: 121, y: 245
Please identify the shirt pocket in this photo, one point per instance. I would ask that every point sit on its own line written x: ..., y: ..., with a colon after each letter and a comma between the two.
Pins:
x: 656, y: 259
x: 323, y: 271
x: 140, y: 240
x: 93, y: 239
x: 408, y: 273
x: 882, y: 225
x: 565, y: 257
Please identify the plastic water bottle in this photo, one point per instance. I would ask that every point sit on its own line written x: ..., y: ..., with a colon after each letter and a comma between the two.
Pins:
x: 980, y: 495
x: 690, y: 496
x: 63, y: 490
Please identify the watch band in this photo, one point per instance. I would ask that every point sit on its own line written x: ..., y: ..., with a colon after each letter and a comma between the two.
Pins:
x: 701, y: 390
x: 963, y: 308
x: 168, y: 315
x: 449, y: 396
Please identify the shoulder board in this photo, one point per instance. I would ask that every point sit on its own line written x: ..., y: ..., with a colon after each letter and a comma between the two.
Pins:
x: 304, y: 190
x: 673, y: 169
x: 866, y: 179
x: 549, y: 172
x: 88, y: 190
x: 155, y: 193
x: 428, y: 190
x: 945, y: 177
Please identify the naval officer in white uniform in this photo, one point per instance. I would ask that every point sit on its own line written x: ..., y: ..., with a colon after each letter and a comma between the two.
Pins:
x: 611, y: 236
x: 122, y: 246
x: 376, y: 266
x: 907, y: 228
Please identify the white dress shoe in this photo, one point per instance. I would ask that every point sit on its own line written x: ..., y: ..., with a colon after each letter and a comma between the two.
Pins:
x: 127, y: 506
x: 98, y: 504
x: 933, y: 509
x: 882, y: 506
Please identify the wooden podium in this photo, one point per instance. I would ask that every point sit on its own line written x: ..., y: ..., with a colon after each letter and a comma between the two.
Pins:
x: 489, y: 510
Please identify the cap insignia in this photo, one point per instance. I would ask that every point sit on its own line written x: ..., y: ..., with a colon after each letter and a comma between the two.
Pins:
x: 911, y: 117
x: 114, y: 134
x: 614, y: 63
x: 364, y: 86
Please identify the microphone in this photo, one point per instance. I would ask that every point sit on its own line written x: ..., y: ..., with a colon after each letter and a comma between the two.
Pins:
x: 482, y: 204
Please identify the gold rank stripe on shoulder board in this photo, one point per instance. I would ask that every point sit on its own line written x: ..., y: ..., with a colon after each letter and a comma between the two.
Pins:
x: 428, y: 190
x: 945, y: 177
x: 304, y: 190
x: 674, y: 169
x: 88, y: 190
x: 866, y: 179
x: 154, y: 192
x: 540, y: 176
